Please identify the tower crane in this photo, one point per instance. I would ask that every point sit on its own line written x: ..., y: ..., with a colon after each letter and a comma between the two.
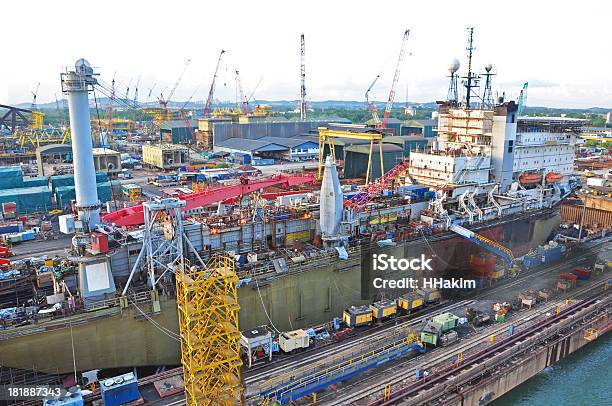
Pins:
x: 371, y: 104
x: 302, y: 78
x: 164, y: 101
x: 206, y: 112
x: 34, y: 95
x: 395, y: 80
x: 244, y: 102
x: 522, y: 100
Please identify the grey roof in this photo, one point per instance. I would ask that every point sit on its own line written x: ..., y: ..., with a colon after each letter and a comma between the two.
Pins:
x: 245, y: 144
x: 288, y: 142
x: 365, y: 149
x: 178, y: 124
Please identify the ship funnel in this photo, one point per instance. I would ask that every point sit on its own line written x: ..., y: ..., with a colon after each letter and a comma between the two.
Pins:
x: 331, y: 205
x: 76, y: 85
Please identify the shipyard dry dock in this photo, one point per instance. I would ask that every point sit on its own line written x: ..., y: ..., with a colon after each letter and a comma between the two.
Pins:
x: 396, y: 367
x: 306, y: 293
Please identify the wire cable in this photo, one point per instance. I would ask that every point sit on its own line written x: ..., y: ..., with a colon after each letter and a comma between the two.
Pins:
x: 264, y: 308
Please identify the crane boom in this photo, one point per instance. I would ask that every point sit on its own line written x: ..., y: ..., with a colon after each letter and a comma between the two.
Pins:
x: 244, y: 102
x: 522, y: 100
x: 359, y: 201
x: 134, y: 215
x: 206, y: 112
x: 302, y: 78
x: 395, y: 80
x: 164, y: 101
x: 371, y: 104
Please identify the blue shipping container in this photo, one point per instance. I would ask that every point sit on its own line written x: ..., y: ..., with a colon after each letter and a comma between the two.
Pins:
x: 119, y: 390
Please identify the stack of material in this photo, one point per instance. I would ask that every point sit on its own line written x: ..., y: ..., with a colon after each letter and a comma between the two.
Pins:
x: 11, y: 177
x: 28, y: 200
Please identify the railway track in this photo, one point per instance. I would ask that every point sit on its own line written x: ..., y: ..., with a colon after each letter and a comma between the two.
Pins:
x: 361, y: 340
x: 405, y: 372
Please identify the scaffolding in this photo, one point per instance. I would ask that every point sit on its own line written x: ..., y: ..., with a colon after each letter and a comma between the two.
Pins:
x: 208, y: 307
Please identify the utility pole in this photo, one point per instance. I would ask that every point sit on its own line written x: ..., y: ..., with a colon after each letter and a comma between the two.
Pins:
x: 303, y: 79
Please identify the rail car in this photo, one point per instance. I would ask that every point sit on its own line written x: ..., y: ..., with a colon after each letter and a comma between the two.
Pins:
x: 440, y: 330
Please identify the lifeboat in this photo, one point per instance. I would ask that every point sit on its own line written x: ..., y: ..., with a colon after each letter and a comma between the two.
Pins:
x: 532, y: 178
x: 552, y: 177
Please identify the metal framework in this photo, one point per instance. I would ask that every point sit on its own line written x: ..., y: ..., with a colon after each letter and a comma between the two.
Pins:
x: 162, y: 246
x: 326, y: 138
x: 208, y: 307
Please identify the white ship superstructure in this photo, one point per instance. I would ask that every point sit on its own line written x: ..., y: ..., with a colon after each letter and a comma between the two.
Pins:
x: 487, y: 161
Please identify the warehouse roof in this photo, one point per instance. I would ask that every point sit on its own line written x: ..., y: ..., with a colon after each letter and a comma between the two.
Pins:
x: 365, y: 149
x: 420, y: 123
x: 170, y: 124
x: 244, y: 144
x: 290, y: 142
x: 390, y: 120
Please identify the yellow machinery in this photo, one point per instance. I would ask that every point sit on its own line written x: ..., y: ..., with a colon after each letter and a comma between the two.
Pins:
x: 208, y: 307
x: 326, y: 138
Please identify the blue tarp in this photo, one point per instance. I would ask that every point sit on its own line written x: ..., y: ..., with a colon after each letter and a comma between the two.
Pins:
x: 64, y: 194
x: 38, y: 181
x: 11, y: 177
x: 28, y: 199
x: 68, y: 180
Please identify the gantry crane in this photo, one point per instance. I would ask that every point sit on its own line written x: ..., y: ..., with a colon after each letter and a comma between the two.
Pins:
x: 395, y: 80
x: 206, y: 112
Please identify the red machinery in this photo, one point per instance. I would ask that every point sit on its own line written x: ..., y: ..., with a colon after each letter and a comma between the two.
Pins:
x: 133, y: 216
x: 359, y: 201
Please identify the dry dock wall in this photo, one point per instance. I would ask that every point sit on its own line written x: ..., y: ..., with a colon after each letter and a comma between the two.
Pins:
x: 516, y: 372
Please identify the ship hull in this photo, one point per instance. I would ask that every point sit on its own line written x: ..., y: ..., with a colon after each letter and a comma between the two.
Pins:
x: 125, y: 338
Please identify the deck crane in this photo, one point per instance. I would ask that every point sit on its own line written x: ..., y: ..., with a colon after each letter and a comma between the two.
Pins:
x: 522, y: 100
x: 395, y: 80
x: 164, y: 101
x: 371, y: 104
x: 359, y: 201
x: 244, y: 102
x: 206, y: 112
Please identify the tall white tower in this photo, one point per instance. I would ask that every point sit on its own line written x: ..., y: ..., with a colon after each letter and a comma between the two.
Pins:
x: 77, y: 84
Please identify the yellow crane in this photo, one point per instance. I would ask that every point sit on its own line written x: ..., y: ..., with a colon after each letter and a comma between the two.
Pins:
x: 327, y: 136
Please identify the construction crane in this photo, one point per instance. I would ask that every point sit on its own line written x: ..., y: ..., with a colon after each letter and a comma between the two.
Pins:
x: 522, y: 100
x: 371, y: 104
x: 164, y: 101
x: 206, y: 112
x: 109, y: 111
x: 244, y: 102
x: 133, y: 216
x: 395, y: 80
x: 302, y: 78
x: 359, y: 201
x: 34, y: 106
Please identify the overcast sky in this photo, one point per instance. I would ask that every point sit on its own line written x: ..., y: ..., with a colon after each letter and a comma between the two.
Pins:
x: 561, y: 48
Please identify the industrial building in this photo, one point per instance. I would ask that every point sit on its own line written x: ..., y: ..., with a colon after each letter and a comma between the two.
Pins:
x: 356, y: 159
x: 107, y: 160
x: 409, y: 143
x: 165, y: 156
x: 291, y: 149
x: 425, y: 128
x: 177, y: 131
